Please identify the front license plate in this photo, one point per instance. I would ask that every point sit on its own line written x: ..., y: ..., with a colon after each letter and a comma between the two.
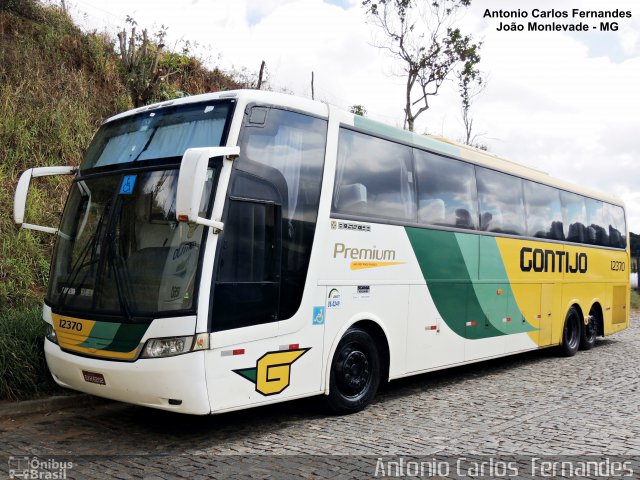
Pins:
x: 93, y: 377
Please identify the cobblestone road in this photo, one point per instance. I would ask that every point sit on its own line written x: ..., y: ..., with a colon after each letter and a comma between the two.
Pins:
x: 529, y: 404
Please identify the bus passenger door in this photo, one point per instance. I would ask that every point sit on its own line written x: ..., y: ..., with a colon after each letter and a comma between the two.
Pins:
x: 244, y: 318
x: 247, y: 287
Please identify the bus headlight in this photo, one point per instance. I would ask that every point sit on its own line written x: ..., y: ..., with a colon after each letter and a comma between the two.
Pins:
x: 166, y: 347
x: 50, y: 334
x: 169, y: 346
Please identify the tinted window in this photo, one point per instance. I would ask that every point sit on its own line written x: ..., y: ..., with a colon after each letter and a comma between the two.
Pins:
x: 574, y: 214
x: 615, y: 225
x: 281, y: 161
x: 293, y: 144
x: 544, y: 211
x: 501, y: 204
x: 446, y: 191
x: 247, y: 290
x: 248, y: 246
x: 373, y: 178
x: 596, y: 232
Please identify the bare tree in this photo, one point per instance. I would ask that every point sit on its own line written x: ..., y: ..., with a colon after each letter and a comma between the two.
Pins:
x: 143, y: 67
x: 262, y: 65
x: 470, y: 85
x: 421, y: 34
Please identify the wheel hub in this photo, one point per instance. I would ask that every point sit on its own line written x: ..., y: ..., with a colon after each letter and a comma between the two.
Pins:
x: 355, y: 371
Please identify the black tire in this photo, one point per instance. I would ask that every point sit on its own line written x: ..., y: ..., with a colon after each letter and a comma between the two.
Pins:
x: 589, y: 332
x: 571, y: 333
x: 355, y: 373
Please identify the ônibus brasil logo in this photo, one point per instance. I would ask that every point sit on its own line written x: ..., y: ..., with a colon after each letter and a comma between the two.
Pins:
x: 272, y: 373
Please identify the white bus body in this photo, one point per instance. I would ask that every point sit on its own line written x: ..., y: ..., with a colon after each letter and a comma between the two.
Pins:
x: 299, y: 273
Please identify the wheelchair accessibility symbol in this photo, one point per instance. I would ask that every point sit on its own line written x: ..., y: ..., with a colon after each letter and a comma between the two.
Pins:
x: 318, y: 316
x: 128, y: 183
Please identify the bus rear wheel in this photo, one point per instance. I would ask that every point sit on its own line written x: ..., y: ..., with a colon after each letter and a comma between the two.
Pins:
x: 355, y: 373
x: 571, y: 333
x: 589, y: 332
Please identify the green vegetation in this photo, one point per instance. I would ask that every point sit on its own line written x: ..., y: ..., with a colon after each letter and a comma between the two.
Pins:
x: 57, y: 84
x: 23, y: 372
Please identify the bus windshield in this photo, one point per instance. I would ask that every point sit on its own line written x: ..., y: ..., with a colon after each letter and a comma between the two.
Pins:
x: 120, y: 250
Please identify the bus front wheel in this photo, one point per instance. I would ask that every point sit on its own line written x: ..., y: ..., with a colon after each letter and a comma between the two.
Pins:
x: 571, y: 333
x: 355, y: 373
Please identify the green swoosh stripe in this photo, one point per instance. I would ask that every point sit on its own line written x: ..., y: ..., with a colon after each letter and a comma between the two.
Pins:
x: 464, y: 285
x: 115, y: 337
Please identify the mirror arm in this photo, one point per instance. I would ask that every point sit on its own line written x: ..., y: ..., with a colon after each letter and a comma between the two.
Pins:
x: 215, y: 224
x: 40, y: 228
x: 22, y: 190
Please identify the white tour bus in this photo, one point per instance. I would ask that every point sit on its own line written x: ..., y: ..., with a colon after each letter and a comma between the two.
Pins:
x: 236, y: 249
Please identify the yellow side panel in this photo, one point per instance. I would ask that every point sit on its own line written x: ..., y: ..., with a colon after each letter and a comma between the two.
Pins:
x: 547, y: 300
x: 567, y: 275
x: 618, y: 304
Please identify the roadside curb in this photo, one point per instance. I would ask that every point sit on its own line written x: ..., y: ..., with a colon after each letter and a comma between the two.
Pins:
x: 47, y: 405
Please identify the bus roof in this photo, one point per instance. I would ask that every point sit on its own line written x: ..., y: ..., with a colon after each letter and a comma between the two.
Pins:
x: 430, y: 142
x: 282, y: 99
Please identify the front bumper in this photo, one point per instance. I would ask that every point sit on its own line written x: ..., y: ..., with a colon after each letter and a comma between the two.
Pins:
x: 173, y: 383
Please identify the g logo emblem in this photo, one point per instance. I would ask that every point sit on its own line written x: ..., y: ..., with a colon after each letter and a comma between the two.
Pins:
x: 272, y: 373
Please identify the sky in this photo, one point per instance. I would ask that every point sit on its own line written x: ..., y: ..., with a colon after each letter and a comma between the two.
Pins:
x: 567, y: 103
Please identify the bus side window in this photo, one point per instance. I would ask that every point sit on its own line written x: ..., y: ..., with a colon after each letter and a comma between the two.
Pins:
x: 614, y: 223
x: 446, y: 191
x: 374, y: 178
x: 574, y: 213
x: 544, y: 211
x: 501, y: 202
x: 596, y: 233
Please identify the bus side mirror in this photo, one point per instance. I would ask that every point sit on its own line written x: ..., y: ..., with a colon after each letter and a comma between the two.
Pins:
x: 22, y: 191
x: 191, y: 182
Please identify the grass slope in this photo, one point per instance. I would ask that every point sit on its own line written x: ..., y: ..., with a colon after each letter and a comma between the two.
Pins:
x: 57, y: 84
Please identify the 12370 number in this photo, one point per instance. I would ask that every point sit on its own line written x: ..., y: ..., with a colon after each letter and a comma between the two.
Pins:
x: 71, y: 325
x: 617, y: 266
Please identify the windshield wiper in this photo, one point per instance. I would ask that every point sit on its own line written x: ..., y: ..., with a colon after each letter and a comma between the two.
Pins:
x: 90, y: 246
x: 147, y: 143
x: 116, y: 262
